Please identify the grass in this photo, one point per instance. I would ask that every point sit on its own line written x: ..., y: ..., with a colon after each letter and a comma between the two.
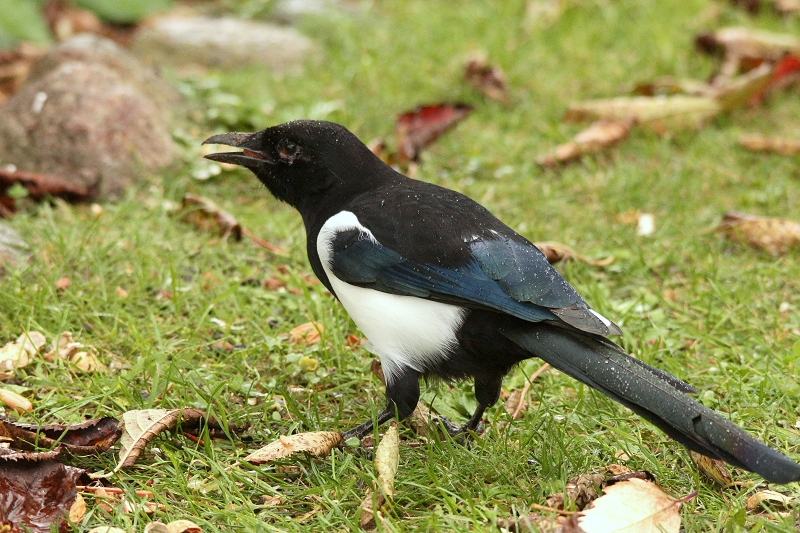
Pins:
x: 720, y: 315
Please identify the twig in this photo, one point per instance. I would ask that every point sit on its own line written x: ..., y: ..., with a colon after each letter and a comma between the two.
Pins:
x: 261, y: 242
x: 527, y: 386
x: 551, y: 509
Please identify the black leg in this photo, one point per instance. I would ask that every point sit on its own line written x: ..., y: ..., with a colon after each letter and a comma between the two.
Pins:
x: 402, y: 395
x: 487, y: 391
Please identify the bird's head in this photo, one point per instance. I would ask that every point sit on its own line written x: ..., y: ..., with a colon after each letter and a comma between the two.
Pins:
x: 303, y: 162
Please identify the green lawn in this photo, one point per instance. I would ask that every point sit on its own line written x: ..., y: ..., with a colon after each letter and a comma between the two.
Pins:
x: 720, y: 315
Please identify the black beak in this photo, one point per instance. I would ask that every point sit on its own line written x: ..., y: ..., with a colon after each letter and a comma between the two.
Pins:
x: 250, y: 157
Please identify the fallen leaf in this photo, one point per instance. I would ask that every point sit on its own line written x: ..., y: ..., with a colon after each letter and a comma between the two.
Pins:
x: 488, y: 79
x: 540, y: 14
x: 308, y: 333
x: 38, y: 492
x: 418, y: 128
x: 370, y: 510
x: 537, y: 523
x: 556, y: 252
x: 86, y: 362
x: 661, y: 113
x: 768, y: 498
x: 14, y: 355
x: 62, y: 283
x: 156, y: 527
x: 387, y: 459
x: 597, y: 137
x: 183, y: 526
x: 583, y: 489
x: 308, y: 364
x: 515, y: 405
x: 78, y: 510
x: 15, y: 402
x: 106, y: 529
x: 39, y: 186
x: 377, y: 370
x: 66, y: 20
x: 713, y: 469
x: 773, y: 235
x: 120, y: 292
x: 86, y: 438
x: 749, y: 43
x: 786, y: 7
x: 778, y: 145
x: 64, y: 347
x: 317, y: 443
x: 633, y: 506
x: 206, y: 216
x: 667, y: 86
x: 140, y: 427
x: 746, y: 88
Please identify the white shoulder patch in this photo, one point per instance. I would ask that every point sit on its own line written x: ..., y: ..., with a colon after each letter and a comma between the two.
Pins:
x: 404, y: 331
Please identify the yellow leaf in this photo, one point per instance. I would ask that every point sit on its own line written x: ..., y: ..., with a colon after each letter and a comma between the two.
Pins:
x: 633, y: 506
x: 316, y: 443
x: 387, y: 459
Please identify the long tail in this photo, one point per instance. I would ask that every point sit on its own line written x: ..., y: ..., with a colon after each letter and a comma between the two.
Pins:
x: 654, y: 395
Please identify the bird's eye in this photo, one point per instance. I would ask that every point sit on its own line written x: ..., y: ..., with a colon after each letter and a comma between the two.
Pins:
x: 288, y: 151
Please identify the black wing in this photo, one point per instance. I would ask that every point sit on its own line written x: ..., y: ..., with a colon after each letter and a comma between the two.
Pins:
x: 501, y: 275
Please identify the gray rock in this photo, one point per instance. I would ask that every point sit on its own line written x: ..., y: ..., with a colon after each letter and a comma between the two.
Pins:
x: 86, y: 123
x: 13, y: 250
x: 289, y: 11
x: 90, y: 48
x: 225, y: 43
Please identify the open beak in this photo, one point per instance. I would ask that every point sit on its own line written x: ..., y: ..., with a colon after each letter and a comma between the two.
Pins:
x: 247, y: 158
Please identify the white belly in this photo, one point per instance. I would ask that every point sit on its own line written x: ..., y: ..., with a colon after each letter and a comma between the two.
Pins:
x: 403, y: 331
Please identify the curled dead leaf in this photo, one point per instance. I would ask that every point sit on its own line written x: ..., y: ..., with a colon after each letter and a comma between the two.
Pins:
x: 633, y: 503
x: 15, y: 401
x: 204, y: 214
x: 387, y: 459
x: 769, y: 499
x: 418, y: 128
x: 773, y: 235
x: 488, y: 79
x: 317, y: 443
x: 63, y: 347
x: 714, y: 469
x: 597, y: 137
x: 516, y: 405
x: 777, y: 145
x: 556, y: 252
x: 86, y: 438
x: 308, y: 333
x: 78, y: 510
x: 660, y: 113
x: 140, y: 427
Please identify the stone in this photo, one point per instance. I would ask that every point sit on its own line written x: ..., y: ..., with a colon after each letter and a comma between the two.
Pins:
x: 225, y: 43
x: 87, y: 123
x: 90, y: 48
x: 14, y: 251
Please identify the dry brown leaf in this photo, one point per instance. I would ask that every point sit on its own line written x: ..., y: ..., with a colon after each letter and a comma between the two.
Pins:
x: 140, y: 427
x: 537, y: 523
x: 38, y: 491
x: 778, y: 145
x: 87, y: 438
x: 377, y: 370
x: 556, y: 251
x: 768, y: 498
x: 516, y: 405
x: 317, y: 443
x: 370, y: 510
x: 106, y: 529
x: 15, y: 401
x: 600, y: 135
x: 183, y: 526
x: 633, y: 506
x: 14, y: 355
x: 488, y: 79
x: 308, y: 333
x: 64, y: 347
x: 749, y: 43
x: 714, y: 469
x: 156, y: 527
x: 78, y: 510
x: 86, y: 362
x: 420, y: 420
x: 387, y: 459
x: 661, y: 113
x: 773, y: 235
x: 666, y: 86
x: 740, y: 90
x: 206, y: 216
x: 584, y: 488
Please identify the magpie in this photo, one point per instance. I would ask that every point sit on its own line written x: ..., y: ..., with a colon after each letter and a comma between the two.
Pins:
x: 441, y: 288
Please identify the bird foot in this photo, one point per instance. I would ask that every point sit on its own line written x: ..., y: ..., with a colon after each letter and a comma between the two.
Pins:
x: 464, y: 434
